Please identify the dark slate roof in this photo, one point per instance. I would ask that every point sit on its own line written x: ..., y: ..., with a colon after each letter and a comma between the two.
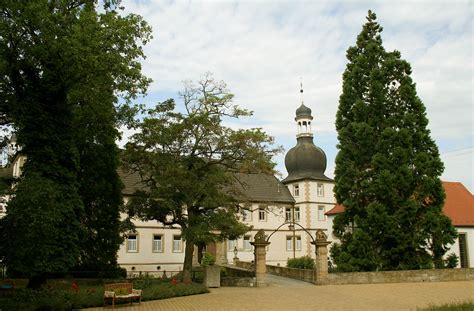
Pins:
x: 305, y: 161
x: 262, y: 188
x: 247, y: 187
x: 131, y: 181
x: 303, y: 111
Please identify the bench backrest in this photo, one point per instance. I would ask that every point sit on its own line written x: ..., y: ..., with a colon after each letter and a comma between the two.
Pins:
x: 114, y: 286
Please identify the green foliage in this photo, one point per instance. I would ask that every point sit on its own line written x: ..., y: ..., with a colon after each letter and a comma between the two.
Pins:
x: 63, y: 67
x: 57, y: 295
x: 451, y: 261
x: 452, y: 306
x: 305, y: 262
x: 188, y: 162
x: 208, y: 259
x: 387, y: 168
x: 41, y: 232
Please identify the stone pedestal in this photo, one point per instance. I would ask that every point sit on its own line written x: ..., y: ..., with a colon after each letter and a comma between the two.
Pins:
x: 221, y: 253
x: 260, y: 253
x: 321, y: 245
x: 212, y: 276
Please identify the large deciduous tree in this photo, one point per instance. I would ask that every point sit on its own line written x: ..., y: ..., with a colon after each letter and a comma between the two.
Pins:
x: 63, y: 67
x: 189, y: 162
x: 388, y: 167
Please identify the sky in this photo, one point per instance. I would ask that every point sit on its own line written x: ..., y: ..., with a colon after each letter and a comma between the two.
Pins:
x: 262, y: 49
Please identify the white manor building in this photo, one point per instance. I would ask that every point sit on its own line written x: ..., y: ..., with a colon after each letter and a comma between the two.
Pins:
x: 305, y: 195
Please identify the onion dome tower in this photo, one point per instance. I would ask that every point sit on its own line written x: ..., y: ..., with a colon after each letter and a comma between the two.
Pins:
x: 305, y: 160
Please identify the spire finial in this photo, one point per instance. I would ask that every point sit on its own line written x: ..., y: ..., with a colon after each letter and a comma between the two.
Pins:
x: 301, y: 89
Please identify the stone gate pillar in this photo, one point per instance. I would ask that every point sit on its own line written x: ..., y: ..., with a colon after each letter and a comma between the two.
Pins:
x: 321, y: 245
x: 260, y: 253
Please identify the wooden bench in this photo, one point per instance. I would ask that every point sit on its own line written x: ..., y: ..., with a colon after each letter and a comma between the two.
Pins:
x: 121, y: 291
x: 7, y: 288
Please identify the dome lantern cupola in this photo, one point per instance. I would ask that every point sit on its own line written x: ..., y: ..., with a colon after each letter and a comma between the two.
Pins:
x: 305, y: 160
x: 303, y: 121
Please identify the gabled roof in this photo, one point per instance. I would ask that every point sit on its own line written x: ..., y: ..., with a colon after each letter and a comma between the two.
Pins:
x: 131, y: 181
x: 262, y: 188
x: 335, y: 210
x: 247, y: 187
x: 458, y: 205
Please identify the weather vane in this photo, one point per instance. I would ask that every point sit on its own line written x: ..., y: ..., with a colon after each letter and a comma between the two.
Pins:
x: 301, y: 89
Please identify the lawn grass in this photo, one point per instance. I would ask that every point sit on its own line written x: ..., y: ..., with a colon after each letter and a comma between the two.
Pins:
x: 60, y: 294
x: 453, y: 306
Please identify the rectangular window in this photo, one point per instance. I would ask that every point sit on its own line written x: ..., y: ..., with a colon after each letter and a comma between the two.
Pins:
x: 298, y: 242
x: 297, y: 214
x: 132, y: 243
x: 288, y: 214
x: 262, y: 214
x: 177, y: 244
x: 231, y: 245
x: 246, y: 215
x: 296, y: 190
x: 320, y: 190
x: 157, y: 243
x: 289, y: 242
x: 321, y: 212
x: 247, y: 245
x: 463, y: 256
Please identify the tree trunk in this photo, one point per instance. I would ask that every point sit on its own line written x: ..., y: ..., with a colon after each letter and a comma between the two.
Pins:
x: 36, y: 282
x: 200, y: 250
x: 188, y: 261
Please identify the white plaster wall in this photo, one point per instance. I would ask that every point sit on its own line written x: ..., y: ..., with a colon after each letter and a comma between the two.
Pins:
x: 469, y: 231
x: 147, y: 260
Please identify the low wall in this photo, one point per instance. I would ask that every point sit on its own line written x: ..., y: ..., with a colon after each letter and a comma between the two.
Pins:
x: 233, y: 271
x: 238, y: 281
x: 238, y: 276
x: 294, y: 273
x: 245, y: 265
x: 432, y: 275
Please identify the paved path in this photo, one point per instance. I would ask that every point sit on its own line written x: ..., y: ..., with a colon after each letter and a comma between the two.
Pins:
x: 305, y: 296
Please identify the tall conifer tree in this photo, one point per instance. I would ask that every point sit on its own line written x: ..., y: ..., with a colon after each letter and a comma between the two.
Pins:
x: 388, y: 167
x: 63, y: 65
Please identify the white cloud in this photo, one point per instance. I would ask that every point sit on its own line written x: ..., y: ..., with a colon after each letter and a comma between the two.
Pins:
x: 262, y: 48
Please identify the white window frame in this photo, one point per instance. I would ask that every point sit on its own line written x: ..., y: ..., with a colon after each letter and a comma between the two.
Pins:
x: 288, y: 214
x: 297, y: 214
x: 246, y: 243
x: 289, y: 242
x: 157, y: 242
x: 132, y: 243
x: 298, y: 242
x: 178, y: 249
x: 321, y: 215
x: 296, y: 190
x: 262, y: 212
x: 320, y: 191
x: 246, y: 215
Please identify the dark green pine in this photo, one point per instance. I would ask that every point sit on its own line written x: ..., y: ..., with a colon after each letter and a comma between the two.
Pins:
x: 387, y: 168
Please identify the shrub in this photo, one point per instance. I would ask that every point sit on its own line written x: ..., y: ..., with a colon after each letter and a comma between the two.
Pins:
x: 304, y: 262
x: 451, y: 261
x: 208, y: 260
x: 59, y: 295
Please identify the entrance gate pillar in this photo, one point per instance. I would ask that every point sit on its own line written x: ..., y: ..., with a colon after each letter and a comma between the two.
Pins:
x: 321, y: 245
x: 260, y: 253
